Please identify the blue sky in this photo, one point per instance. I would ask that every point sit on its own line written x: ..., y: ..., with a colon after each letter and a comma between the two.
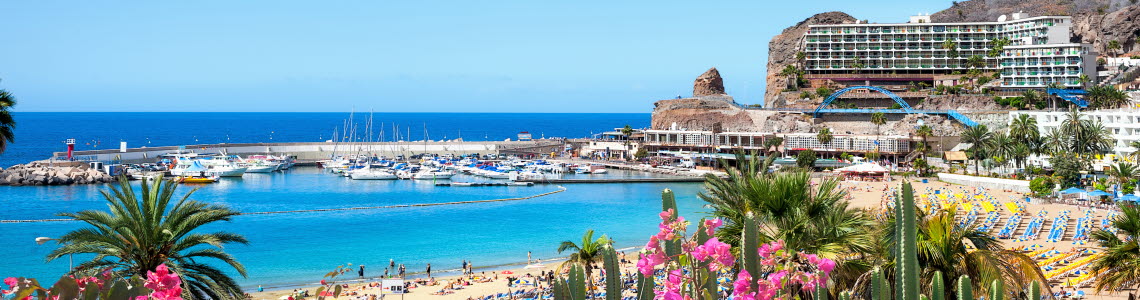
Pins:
x: 396, y: 56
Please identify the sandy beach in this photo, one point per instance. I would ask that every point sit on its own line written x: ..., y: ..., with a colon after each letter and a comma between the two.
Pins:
x: 1059, y: 254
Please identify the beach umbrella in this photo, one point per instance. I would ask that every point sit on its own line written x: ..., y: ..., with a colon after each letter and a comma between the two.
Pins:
x: 1099, y: 193
x: 1072, y: 190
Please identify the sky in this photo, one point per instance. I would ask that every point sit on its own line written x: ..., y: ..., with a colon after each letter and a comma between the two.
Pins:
x: 393, y: 56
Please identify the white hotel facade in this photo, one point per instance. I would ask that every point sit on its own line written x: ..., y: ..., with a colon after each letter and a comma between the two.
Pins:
x: 1040, y: 52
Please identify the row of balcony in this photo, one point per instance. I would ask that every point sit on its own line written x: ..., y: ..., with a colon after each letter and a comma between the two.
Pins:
x: 1042, y: 72
x: 1041, y: 63
x: 1020, y: 53
x: 1012, y: 83
x: 893, y: 56
x: 985, y: 39
x: 929, y: 29
x: 897, y: 47
x: 911, y: 66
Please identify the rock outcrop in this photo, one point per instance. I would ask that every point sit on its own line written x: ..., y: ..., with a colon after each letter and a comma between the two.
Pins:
x: 700, y: 113
x: 41, y: 173
x: 708, y: 84
x: 783, y: 47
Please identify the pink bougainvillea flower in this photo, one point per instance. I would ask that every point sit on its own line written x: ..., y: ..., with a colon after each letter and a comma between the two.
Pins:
x: 740, y: 287
x: 712, y: 224
x: 13, y: 283
x: 826, y: 265
x: 165, y: 285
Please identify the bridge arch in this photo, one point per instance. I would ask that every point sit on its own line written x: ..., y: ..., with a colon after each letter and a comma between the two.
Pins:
x: 906, y: 107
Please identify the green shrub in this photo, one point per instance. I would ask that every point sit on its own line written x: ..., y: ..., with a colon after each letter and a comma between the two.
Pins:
x: 1042, y: 186
x: 805, y: 159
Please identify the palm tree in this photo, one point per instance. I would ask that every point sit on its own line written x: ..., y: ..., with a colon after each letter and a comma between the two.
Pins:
x: 951, y: 48
x: 585, y: 254
x: 7, y: 123
x: 979, y: 136
x: 1083, y: 79
x: 976, y: 62
x: 1123, y: 173
x: 150, y: 228
x: 1023, y: 129
x: 942, y: 246
x: 1135, y: 153
x: 1113, y: 46
x: 1030, y: 97
x: 824, y: 136
x: 1001, y: 147
x: 772, y: 143
x: 878, y: 118
x: 1121, y: 258
x: 812, y: 217
x: 925, y: 132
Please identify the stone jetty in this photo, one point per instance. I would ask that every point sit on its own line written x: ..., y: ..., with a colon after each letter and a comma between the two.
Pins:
x: 44, y: 173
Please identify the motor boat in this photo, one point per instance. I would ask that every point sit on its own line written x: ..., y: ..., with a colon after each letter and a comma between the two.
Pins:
x: 197, y: 179
x: 433, y: 174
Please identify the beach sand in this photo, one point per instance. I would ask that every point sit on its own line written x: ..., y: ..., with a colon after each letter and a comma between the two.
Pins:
x: 866, y: 195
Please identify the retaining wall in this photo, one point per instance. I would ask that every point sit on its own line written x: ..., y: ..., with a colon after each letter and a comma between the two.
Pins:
x: 1020, y: 186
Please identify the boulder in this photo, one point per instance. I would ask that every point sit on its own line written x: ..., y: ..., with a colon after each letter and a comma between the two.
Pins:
x: 708, y: 84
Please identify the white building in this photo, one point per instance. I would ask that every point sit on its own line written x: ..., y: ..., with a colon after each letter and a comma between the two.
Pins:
x: 1124, y: 124
x: 1040, y: 52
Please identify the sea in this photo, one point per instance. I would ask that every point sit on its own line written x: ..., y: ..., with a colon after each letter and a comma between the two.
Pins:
x: 291, y: 249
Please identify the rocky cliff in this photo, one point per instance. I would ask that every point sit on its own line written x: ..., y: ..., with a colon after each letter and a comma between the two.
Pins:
x: 783, y: 47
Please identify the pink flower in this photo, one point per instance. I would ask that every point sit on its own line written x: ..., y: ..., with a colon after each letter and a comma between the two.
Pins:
x: 648, y: 261
x: 720, y: 253
x: 13, y: 283
x: 826, y: 265
x: 666, y: 215
x: 740, y: 288
x: 777, y: 278
x: 165, y: 285
x: 672, y: 289
x: 712, y: 224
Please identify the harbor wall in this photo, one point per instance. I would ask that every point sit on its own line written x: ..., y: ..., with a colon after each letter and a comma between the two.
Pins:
x: 1020, y: 186
x: 310, y: 152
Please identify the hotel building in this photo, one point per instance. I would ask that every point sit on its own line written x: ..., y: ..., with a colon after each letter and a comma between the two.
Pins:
x: 1040, y: 52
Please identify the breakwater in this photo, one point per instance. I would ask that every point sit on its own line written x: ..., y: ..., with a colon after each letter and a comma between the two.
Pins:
x: 314, y: 151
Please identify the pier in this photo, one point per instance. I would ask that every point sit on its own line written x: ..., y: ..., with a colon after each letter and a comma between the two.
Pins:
x: 310, y: 152
x: 616, y: 180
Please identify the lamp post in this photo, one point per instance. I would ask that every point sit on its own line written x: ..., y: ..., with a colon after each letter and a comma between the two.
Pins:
x: 70, y: 257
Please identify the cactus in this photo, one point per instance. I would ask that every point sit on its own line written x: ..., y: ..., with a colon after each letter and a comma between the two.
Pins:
x: 613, y: 272
x: 561, y: 291
x: 997, y: 290
x: 938, y: 287
x: 577, y: 283
x: 749, y: 242
x: 645, y: 287
x: 710, y: 285
x: 820, y: 294
x: 906, y: 267
x: 669, y: 201
x: 845, y: 295
x: 879, y: 286
x: 1035, y: 291
x: 965, y: 288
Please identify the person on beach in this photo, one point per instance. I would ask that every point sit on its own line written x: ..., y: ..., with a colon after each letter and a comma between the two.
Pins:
x: 392, y: 263
x: 402, y: 269
x: 361, y: 272
x: 429, y: 270
x: 528, y: 257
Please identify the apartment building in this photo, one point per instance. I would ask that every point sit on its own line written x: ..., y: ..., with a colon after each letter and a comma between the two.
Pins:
x: 1040, y: 52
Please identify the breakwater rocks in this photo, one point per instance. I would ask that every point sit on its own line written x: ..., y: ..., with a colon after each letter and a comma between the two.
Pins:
x: 42, y: 173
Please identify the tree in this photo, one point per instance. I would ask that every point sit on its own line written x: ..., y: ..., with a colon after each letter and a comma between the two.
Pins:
x: 1030, y: 98
x: 997, y: 46
x: 641, y: 153
x: 1120, y: 261
x: 586, y: 253
x: 1042, y: 186
x: 7, y: 123
x: 1023, y: 129
x: 878, y: 118
x: 951, y: 48
x: 942, y: 247
x: 773, y: 143
x: 805, y: 159
x: 1083, y: 79
x: 1122, y: 173
x: 979, y: 136
x: 976, y: 61
x: 1084, y: 137
x: 925, y: 132
x: 627, y: 131
x: 824, y: 136
x: 1113, y: 46
x: 1107, y: 97
x: 1135, y: 153
x: 146, y: 229
x: 1066, y: 168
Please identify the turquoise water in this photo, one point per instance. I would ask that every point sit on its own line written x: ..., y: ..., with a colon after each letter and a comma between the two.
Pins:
x: 297, y: 248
